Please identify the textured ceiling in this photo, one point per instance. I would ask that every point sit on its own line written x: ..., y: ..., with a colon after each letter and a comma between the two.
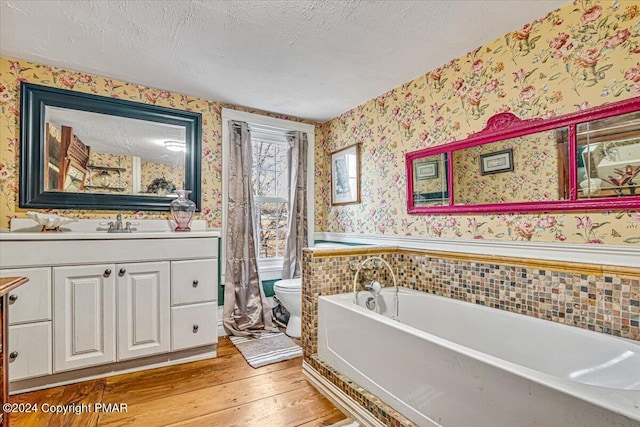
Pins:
x: 310, y: 59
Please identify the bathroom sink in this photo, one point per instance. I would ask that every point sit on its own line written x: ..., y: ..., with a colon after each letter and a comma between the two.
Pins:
x: 627, y: 155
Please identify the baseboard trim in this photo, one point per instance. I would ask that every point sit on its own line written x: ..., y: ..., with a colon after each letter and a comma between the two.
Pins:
x: 111, y: 369
x: 618, y: 255
x: 339, y: 398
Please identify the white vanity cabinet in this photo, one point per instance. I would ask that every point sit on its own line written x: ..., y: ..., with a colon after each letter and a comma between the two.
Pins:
x: 97, y: 304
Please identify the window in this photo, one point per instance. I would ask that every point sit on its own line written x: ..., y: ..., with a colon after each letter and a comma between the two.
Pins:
x: 270, y: 180
x: 270, y: 191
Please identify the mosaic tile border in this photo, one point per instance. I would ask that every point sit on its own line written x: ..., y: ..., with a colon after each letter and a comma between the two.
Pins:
x: 384, y: 413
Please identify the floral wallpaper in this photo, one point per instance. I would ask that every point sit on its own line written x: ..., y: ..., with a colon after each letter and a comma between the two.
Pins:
x: 14, y: 71
x: 534, y: 176
x: 583, y: 55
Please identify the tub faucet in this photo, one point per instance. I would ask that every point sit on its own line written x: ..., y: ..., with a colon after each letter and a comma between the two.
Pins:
x: 375, y: 286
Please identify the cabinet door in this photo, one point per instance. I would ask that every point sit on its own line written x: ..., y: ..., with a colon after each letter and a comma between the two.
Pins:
x: 30, y: 302
x: 84, y: 320
x: 143, y: 309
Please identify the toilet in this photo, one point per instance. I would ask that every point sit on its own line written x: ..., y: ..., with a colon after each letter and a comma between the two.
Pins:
x: 289, y: 293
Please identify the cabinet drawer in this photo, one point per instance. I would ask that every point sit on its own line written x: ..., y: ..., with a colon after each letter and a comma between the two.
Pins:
x: 32, y: 343
x: 30, y: 302
x: 194, y: 325
x: 194, y: 281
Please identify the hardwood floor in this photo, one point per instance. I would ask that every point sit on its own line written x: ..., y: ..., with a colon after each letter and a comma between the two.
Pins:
x: 225, y: 391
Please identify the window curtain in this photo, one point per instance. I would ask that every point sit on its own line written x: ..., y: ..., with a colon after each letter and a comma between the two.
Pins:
x: 297, y: 230
x: 246, y: 311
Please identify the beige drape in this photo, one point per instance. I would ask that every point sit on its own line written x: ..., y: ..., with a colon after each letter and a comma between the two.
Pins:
x: 246, y: 311
x: 297, y: 229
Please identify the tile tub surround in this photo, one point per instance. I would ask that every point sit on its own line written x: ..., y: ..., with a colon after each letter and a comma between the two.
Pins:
x: 596, y: 297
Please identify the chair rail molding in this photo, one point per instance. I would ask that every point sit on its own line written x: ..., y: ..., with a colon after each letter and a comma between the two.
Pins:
x: 618, y: 255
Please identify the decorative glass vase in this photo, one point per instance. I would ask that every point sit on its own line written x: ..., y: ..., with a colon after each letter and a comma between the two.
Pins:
x: 182, y: 210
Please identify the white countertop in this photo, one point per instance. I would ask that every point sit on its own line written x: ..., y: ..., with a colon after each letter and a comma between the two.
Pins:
x: 103, y: 235
x: 87, y: 229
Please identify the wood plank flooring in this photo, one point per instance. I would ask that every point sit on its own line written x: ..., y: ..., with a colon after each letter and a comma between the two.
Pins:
x: 223, y: 392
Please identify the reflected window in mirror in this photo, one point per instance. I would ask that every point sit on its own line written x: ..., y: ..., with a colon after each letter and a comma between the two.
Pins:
x: 53, y: 158
x: 430, y: 181
x: 608, y: 157
x: 528, y: 168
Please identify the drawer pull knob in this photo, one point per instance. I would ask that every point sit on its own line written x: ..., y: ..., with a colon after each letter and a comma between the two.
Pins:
x: 122, y: 272
x: 195, y: 283
x: 13, y: 355
x: 107, y: 272
x: 195, y: 329
x: 13, y: 297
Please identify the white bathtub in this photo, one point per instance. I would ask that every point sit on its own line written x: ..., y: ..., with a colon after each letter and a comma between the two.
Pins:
x: 451, y: 363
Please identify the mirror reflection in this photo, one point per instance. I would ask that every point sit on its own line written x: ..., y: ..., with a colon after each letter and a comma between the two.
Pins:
x: 608, y: 157
x: 430, y: 181
x: 89, y: 152
x: 528, y: 168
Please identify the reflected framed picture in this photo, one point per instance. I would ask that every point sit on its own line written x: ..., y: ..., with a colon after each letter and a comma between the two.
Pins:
x: 496, y: 162
x: 345, y: 175
x: 425, y: 170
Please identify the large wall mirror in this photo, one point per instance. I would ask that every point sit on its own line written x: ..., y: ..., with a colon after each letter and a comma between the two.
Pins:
x: 589, y: 160
x: 82, y: 151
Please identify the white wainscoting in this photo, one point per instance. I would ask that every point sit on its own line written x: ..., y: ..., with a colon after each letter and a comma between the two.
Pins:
x: 621, y: 255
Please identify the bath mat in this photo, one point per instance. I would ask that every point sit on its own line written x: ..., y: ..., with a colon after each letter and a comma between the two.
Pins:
x: 267, y: 348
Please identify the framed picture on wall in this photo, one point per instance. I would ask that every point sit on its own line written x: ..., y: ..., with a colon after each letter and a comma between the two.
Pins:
x: 496, y: 162
x: 345, y: 175
x: 425, y: 170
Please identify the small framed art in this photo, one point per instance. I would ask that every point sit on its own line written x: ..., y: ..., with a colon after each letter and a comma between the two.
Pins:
x: 426, y: 170
x: 496, y: 162
x: 345, y: 175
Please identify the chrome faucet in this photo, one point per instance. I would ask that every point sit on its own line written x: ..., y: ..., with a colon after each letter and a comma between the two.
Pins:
x: 118, y: 227
x: 374, y: 286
